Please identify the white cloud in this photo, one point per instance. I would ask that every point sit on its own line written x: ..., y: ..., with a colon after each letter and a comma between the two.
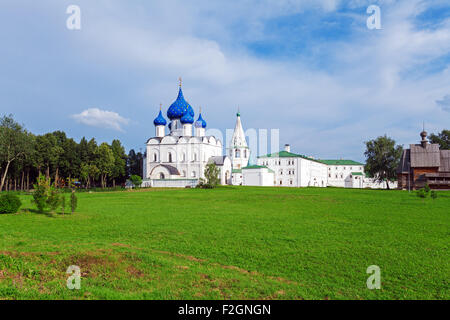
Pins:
x: 95, y: 117
x: 444, y: 103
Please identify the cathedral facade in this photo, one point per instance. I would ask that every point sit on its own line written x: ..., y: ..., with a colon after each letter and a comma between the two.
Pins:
x: 178, y: 158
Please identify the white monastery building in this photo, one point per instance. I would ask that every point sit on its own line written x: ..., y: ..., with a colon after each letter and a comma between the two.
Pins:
x: 287, y: 169
x: 180, y: 150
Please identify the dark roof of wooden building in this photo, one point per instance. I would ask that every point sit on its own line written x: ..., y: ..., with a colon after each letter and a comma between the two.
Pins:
x: 405, y: 161
x: 427, y: 156
x: 445, y: 161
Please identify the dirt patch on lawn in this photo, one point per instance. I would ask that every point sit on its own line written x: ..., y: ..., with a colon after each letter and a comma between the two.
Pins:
x: 135, y: 273
x: 179, y: 255
x: 118, y: 244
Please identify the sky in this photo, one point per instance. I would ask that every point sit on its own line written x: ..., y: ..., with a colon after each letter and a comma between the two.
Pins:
x: 310, y: 68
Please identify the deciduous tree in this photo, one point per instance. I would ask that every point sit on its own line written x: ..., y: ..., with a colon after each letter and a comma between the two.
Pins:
x: 443, y: 139
x: 14, y: 143
x: 383, y: 157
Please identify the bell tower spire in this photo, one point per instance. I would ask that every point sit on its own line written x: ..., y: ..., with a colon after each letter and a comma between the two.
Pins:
x: 239, y: 151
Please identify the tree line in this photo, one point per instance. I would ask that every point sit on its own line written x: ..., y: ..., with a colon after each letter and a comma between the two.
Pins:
x: 24, y: 156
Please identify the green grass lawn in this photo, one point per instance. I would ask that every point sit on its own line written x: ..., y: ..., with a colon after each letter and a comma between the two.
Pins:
x: 231, y: 243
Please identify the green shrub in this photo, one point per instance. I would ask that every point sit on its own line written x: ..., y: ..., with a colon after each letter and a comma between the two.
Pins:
x: 40, y: 194
x: 202, y: 184
x: 434, y: 194
x: 73, y: 201
x: 427, y: 188
x: 421, y: 193
x: 9, y: 203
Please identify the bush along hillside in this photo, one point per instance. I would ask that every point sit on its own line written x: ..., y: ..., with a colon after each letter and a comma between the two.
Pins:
x: 9, y: 203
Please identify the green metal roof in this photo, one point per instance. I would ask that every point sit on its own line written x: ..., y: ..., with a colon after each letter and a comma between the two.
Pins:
x: 281, y: 154
x: 257, y: 167
x: 285, y: 154
x: 237, y: 171
x: 341, y: 162
x: 357, y: 173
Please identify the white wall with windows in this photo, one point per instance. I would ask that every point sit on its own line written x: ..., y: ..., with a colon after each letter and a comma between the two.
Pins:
x: 341, y: 175
x: 187, y: 156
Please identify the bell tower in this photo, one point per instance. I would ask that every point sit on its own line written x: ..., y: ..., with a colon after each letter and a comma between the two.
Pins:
x: 239, y: 151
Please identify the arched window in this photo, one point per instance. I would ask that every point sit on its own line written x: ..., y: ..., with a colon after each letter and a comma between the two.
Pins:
x: 183, y: 157
x: 155, y: 157
x: 161, y: 176
x: 184, y: 173
x: 194, y: 174
x: 237, y: 154
x: 194, y: 158
x: 170, y: 157
x: 245, y: 153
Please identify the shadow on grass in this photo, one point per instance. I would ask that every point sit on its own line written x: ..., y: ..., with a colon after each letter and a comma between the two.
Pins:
x: 46, y: 213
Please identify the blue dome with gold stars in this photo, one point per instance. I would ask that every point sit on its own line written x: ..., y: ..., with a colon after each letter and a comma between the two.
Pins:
x: 160, y: 121
x: 200, y: 123
x: 179, y: 108
x: 187, y: 118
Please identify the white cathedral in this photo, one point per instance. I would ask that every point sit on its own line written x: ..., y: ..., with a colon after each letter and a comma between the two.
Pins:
x: 179, y: 158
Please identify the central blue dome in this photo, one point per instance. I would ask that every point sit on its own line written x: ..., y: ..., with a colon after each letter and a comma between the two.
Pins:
x: 179, y: 108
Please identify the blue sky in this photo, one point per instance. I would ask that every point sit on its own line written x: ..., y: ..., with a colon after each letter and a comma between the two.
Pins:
x: 310, y: 68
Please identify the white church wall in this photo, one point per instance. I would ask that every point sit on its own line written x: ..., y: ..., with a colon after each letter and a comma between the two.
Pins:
x: 226, y: 172
x: 173, y: 183
x: 188, y: 156
x: 257, y: 177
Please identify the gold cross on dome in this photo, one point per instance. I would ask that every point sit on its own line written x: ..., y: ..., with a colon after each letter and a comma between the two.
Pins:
x: 181, y: 81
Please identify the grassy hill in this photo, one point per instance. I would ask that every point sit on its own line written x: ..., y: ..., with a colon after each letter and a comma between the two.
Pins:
x: 231, y: 243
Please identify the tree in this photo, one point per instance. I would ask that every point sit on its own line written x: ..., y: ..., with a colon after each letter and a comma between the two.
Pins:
x: 134, y: 163
x: 443, y: 139
x: 119, y: 168
x: 14, y: 143
x: 105, y: 162
x: 383, y: 158
x: 48, y: 152
x: 212, y: 175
